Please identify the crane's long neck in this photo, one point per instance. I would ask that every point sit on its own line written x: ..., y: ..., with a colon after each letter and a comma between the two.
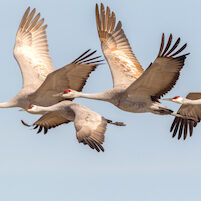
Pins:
x: 42, y: 110
x: 192, y: 102
x: 104, y: 96
x: 8, y: 104
x: 39, y: 110
x: 20, y: 100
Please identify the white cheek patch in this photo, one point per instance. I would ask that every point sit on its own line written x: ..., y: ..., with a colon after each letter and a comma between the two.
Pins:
x: 179, y: 99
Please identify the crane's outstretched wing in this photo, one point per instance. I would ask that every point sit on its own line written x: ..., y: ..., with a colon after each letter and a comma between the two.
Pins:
x: 31, y: 50
x: 181, y: 126
x: 73, y: 76
x: 161, y: 76
x: 90, y: 127
x: 48, y: 121
x: 123, y: 64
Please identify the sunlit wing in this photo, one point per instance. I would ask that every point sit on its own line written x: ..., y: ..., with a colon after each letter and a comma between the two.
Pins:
x: 90, y: 127
x: 31, y: 50
x: 123, y: 64
x: 48, y: 121
x: 73, y: 76
x: 161, y: 76
x: 183, y: 126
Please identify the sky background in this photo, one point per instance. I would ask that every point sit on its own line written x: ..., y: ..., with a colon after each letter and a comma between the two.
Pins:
x: 141, y: 161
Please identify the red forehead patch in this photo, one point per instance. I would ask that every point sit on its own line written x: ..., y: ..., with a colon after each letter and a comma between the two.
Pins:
x: 176, y: 97
x: 30, y: 106
x: 67, y: 91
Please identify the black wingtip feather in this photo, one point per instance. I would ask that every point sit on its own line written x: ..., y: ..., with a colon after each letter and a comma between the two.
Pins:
x: 165, y: 52
x: 25, y: 124
x: 85, y: 58
x: 185, y: 126
x: 81, y: 56
x: 175, y: 129
x: 181, y: 129
x: 162, y: 45
x: 40, y: 129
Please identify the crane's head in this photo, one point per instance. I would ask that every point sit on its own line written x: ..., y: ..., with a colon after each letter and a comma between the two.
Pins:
x: 176, y: 99
x: 34, y: 109
x: 69, y: 93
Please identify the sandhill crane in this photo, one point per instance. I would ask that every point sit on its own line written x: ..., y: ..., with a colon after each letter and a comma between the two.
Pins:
x: 134, y: 90
x: 191, y: 107
x: 90, y: 126
x: 40, y: 81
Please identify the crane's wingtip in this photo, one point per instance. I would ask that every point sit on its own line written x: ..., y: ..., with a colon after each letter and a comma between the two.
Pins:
x: 25, y: 124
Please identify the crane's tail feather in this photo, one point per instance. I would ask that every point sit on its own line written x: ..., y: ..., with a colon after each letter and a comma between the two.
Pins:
x: 115, y: 123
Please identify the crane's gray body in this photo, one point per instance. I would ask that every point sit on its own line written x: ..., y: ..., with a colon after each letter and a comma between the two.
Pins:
x: 119, y: 97
x: 135, y: 90
x: 40, y: 80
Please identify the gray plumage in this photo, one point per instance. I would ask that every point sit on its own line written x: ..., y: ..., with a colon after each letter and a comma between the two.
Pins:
x: 40, y: 81
x: 135, y: 90
x: 90, y: 126
x: 191, y: 107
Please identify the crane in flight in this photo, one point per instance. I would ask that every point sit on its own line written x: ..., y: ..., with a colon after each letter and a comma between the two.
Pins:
x: 90, y: 126
x: 134, y: 90
x: 40, y: 80
x: 191, y: 107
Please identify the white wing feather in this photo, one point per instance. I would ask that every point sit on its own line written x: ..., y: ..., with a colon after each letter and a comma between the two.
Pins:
x: 123, y: 64
x: 31, y: 50
x: 90, y: 127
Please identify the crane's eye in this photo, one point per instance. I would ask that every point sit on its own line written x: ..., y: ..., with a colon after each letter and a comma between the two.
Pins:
x: 30, y: 106
x: 67, y: 91
x: 176, y: 97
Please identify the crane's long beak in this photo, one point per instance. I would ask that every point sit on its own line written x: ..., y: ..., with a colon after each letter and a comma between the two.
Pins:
x: 168, y: 99
x: 21, y: 110
x: 58, y: 95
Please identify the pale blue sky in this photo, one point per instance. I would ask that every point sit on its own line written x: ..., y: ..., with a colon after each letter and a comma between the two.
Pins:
x: 141, y: 161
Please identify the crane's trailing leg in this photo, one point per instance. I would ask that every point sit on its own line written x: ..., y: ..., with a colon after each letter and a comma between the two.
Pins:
x: 183, y: 117
x: 157, y: 108
x: 115, y: 123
